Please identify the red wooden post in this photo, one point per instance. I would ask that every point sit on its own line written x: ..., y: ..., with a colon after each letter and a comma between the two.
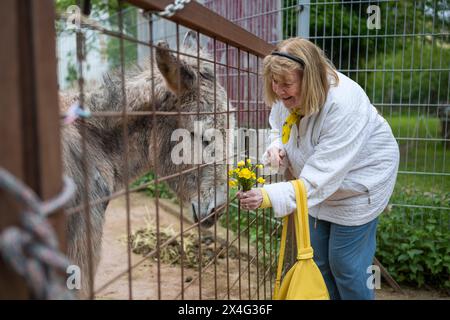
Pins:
x: 29, y: 115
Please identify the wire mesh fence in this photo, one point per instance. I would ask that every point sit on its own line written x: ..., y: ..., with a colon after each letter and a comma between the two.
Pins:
x: 162, y: 77
x: 131, y: 92
x: 397, y: 51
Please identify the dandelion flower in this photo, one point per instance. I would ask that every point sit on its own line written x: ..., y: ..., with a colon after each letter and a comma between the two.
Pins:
x: 245, y: 173
x: 232, y: 183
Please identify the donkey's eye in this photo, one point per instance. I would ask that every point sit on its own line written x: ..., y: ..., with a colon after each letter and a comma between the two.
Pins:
x: 194, y: 136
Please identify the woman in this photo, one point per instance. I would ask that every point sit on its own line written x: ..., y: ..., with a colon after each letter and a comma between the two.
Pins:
x: 327, y: 133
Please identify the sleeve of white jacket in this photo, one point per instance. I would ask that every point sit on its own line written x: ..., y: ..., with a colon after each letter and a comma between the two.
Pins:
x: 275, y: 127
x: 342, y: 136
x: 275, y: 132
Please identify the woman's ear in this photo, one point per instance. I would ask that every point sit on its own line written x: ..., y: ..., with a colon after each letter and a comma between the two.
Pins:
x: 179, y: 76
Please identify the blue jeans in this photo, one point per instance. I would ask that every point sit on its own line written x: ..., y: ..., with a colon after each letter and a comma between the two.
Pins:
x: 343, y: 254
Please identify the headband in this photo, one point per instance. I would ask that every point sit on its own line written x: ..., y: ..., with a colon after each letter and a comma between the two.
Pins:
x: 289, y: 56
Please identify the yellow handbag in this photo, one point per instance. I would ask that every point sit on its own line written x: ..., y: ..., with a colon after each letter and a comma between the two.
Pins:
x: 304, y: 280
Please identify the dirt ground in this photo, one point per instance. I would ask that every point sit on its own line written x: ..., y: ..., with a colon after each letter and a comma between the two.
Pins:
x: 144, y: 277
x: 112, y: 278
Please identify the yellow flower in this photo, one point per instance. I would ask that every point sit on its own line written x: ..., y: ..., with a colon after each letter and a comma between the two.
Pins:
x: 245, y: 173
x: 253, y: 175
x: 241, y: 163
x: 249, y: 161
x: 232, y: 183
x: 230, y: 172
x: 237, y: 170
x: 259, y: 166
x: 261, y: 180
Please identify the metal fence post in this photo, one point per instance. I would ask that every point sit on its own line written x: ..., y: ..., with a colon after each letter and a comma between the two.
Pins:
x: 303, y: 9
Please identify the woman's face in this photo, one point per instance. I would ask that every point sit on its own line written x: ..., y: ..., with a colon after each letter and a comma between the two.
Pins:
x: 287, y: 88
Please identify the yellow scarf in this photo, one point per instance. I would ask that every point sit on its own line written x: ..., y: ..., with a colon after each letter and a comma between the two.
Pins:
x: 293, y: 118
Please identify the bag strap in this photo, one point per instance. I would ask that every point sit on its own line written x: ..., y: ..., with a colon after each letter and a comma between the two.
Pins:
x: 281, y: 257
x: 304, y: 249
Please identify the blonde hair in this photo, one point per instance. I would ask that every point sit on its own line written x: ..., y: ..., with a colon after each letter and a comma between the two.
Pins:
x: 314, y: 75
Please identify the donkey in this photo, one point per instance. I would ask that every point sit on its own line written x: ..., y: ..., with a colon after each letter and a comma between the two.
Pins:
x: 175, y: 84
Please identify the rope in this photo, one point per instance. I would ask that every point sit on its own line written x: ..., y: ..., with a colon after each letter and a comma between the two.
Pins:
x: 32, y: 250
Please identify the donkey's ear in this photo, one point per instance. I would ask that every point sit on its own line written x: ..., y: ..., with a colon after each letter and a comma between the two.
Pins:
x: 178, y: 75
x: 190, y: 40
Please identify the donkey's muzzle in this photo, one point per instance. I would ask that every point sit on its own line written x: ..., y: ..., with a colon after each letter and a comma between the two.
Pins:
x: 206, y: 221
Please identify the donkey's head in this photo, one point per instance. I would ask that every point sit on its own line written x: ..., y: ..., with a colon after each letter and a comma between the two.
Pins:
x: 195, y: 141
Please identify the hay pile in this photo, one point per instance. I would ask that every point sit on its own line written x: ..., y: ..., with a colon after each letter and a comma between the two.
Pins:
x: 144, y: 241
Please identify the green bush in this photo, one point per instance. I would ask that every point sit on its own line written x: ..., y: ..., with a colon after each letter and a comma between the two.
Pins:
x: 257, y: 226
x: 414, y: 244
x: 421, y: 81
x: 163, y: 189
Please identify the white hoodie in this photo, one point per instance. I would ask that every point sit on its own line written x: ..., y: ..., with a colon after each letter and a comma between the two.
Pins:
x: 346, y: 154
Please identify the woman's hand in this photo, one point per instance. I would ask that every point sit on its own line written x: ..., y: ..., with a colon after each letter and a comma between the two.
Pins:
x: 250, y: 200
x: 277, y: 159
x: 275, y: 156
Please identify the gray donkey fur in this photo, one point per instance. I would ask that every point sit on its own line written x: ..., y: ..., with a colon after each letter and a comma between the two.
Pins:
x: 105, y: 147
